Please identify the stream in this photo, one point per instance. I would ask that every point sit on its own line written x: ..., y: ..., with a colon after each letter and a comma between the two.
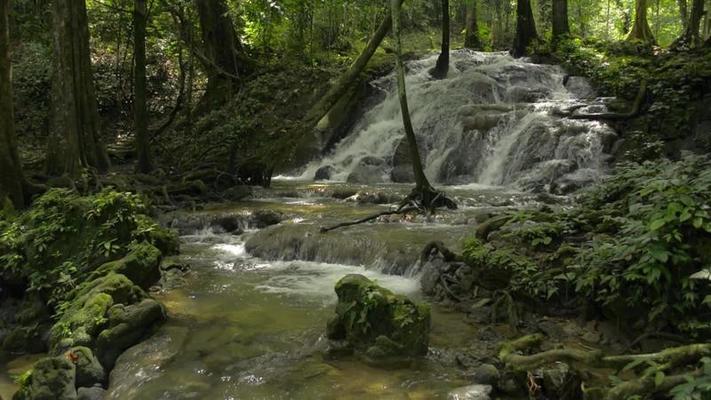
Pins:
x: 243, y: 327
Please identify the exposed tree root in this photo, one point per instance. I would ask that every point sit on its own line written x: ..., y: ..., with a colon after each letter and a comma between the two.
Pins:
x: 611, y: 116
x: 650, y: 381
x: 433, y: 248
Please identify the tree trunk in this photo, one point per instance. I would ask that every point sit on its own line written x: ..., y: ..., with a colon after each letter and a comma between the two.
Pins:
x: 442, y: 67
x: 221, y: 46
x: 683, y: 13
x: 471, y: 36
x: 640, y: 29
x: 691, y: 36
x: 74, y: 142
x: 338, y: 89
x: 421, y: 182
x: 525, y: 28
x: 11, y: 177
x: 561, y: 26
x: 140, y: 114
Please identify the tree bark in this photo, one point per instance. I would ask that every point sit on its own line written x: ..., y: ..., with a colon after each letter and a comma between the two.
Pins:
x: 421, y: 182
x: 525, y: 28
x: 640, y: 29
x: 140, y: 113
x: 74, y: 141
x: 222, y: 48
x: 691, y: 36
x: 337, y: 90
x: 12, y: 181
x: 442, y: 67
x: 683, y: 12
x: 471, y: 35
x: 561, y: 27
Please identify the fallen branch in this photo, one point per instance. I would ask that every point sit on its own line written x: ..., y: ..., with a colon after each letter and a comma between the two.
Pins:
x: 403, y: 210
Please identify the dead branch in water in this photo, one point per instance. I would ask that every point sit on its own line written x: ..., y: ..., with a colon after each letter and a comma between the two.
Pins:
x: 404, y: 210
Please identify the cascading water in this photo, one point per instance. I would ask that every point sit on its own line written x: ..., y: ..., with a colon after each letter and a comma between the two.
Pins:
x: 495, y: 120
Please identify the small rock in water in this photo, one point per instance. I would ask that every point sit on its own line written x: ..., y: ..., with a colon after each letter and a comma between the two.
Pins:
x: 324, y: 173
x: 471, y: 392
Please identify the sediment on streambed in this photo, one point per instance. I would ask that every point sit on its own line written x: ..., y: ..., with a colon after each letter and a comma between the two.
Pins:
x: 75, y: 276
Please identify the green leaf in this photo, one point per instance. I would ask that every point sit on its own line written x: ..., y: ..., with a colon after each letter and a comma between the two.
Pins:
x: 658, y: 378
x: 657, y: 224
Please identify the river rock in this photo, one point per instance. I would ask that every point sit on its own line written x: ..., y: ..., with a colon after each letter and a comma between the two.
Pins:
x: 471, y: 392
x: 228, y: 223
x: 402, y: 171
x: 324, y: 173
x: 89, y: 370
x: 91, y: 393
x: 264, y: 218
x: 580, y: 88
x: 53, y: 378
x: 141, y: 265
x: 126, y: 326
x: 560, y: 381
x: 379, y: 325
x: 485, y: 374
x: 369, y: 170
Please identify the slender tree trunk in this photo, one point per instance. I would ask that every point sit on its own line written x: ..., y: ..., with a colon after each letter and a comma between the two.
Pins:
x: 338, y: 89
x: 442, y: 68
x: 74, y: 142
x: 683, y: 12
x: 525, y: 28
x: 421, y: 182
x: 691, y: 36
x: 640, y: 29
x: 561, y: 27
x: 12, y: 181
x: 471, y: 35
x: 140, y: 113
x: 222, y: 47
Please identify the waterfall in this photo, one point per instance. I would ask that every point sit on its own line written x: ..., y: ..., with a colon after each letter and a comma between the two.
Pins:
x: 494, y: 120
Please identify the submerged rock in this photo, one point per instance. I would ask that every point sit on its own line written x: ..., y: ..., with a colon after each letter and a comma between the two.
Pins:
x: 324, y: 173
x: 471, y: 392
x: 379, y: 325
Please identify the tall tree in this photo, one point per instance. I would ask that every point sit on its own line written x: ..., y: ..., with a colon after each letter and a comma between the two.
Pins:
x: 683, y: 12
x: 422, y: 185
x: 471, y: 34
x: 74, y: 142
x: 222, y: 52
x: 525, y: 28
x: 561, y: 26
x: 140, y: 113
x: 11, y: 177
x: 640, y: 28
x: 691, y: 35
x: 442, y: 67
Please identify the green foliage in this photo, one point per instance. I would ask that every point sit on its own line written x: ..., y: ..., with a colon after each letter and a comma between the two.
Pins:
x: 64, y: 237
x: 697, y: 387
x: 658, y: 218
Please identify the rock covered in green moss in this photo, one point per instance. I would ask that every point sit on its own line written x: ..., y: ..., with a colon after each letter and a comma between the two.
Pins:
x: 378, y: 324
x: 52, y: 378
x: 89, y: 370
x: 141, y: 265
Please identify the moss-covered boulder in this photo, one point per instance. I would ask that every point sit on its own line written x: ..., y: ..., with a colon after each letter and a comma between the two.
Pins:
x: 88, y: 369
x: 52, y: 378
x: 141, y: 265
x: 126, y: 326
x: 86, y: 315
x: 377, y: 324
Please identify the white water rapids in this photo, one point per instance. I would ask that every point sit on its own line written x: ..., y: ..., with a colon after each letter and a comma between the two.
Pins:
x: 494, y: 120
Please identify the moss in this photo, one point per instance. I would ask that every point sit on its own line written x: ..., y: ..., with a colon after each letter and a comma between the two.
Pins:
x: 377, y: 323
x: 141, y: 265
x: 52, y: 378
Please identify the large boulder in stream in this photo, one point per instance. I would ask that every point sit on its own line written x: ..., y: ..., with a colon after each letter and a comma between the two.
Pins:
x: 368, y: 171
x: 378, y: 325
x: 52, y: 378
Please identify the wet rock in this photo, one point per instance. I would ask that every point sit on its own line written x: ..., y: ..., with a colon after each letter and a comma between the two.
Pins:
x: 52, y: 378
x: 580, y: 87
x: 381, y: 326
x: 88, y: 369
x: 228, y: 224
x: 485, y: 374
x: 520, y: 94
x: 91, y: 393
x: 237, y: 193
x: 471, y: 392
x: 324, y: 173
x: 430, y: 276
x: 368, y: 171
x: 126, y: 326
x: 141, y: 266
x: 264, y: 218
x: 560, y: 382
x: 402, y: 165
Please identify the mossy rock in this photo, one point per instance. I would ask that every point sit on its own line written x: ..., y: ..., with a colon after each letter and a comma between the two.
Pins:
x: 126, y: 326
x: 88, y: 369
x: 141, y: 265
x: 26, y: 339
x: 86, y: 315
x: 379, y: 325
x: 52, y: 378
